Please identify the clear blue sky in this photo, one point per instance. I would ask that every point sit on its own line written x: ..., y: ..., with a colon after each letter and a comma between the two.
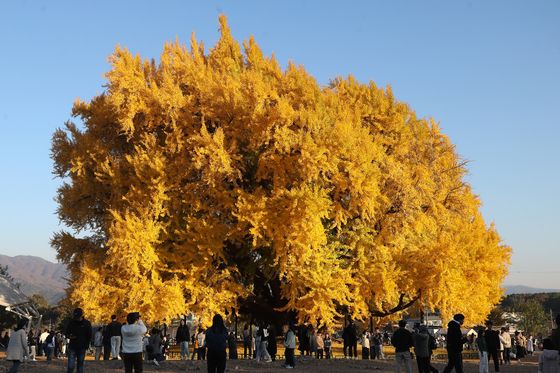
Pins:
x: 488, y: 71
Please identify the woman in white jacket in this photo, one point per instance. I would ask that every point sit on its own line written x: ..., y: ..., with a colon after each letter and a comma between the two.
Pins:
x: 17, y: 348
x: 132, y: 343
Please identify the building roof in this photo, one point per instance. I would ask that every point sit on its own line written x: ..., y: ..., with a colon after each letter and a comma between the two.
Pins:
x: 10, y: 295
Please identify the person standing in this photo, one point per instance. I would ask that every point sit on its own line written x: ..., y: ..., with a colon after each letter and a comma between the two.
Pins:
x: 182, y: 337
x: 402, y: 341
x: 17, y: 350
x: 216, y: 343
x: 505, y: 339
x: 262, y: 352
x: 328, y: 346
x: 312, y: 333
x: 132, y: 343
x: 247, y: 342
x: 41, y: 343
x: 455, y: 341
x: 201, y: 339
x: 482, y: 351
x: 365, y: 345
x: 290, y: 345
x: 530, y: 345
x: 232, y: 346
x: 50, y: 344
x: 271, y: 345
x: 32, y: 343
x: 376, y: 345
x: 106, y: 343
x: 194, y: 340
x: 350, y: 337
x: 78, y: 332
x: 493, y: 344
x: 98, y: 343
x: 520, y: 343
x: 115, y: 333
x: 320, y: 346
x: 303, y: 339
x: 421, y: 341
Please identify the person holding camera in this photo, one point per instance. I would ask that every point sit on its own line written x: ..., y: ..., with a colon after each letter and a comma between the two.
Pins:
x: 132, y: 334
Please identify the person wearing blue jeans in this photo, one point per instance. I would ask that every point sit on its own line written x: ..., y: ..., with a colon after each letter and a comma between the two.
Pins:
x: 182, y: 337
x: 76, y: 356
x: 79, y: 333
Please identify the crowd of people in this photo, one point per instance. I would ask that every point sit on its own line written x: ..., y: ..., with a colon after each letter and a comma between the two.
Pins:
x: 134, y: 344
x: 500, y: 346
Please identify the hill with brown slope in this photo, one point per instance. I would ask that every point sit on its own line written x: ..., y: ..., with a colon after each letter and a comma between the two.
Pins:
x: 37, y: 276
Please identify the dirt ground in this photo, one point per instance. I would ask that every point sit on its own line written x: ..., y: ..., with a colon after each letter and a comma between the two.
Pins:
x: 302, y: 365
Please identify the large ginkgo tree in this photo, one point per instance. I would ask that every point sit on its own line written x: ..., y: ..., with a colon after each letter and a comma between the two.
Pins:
x: 217, y: 180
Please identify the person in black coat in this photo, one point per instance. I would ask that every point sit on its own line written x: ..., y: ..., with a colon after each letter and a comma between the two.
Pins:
x: 216, y: 342
x: 303, y: 340
x: 79, y: 333
x: 232, y: 346
x: 455, y: 341
x: 106, y: 343
x: 272, y: 347
x: 182, y: 338
x: 350, y: 338
x: 402, y: 341
x: 492, y: 338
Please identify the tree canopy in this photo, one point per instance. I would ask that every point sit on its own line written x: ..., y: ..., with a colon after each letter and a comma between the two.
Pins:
x: 217, y: 180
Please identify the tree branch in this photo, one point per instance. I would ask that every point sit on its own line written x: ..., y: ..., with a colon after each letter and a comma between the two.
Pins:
x: 400, y: 306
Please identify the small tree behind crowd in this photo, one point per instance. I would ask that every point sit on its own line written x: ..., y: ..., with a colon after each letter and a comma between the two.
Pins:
x: 217, y: 180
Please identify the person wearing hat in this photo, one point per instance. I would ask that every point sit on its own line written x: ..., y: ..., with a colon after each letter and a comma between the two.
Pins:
x: 132, y: 333
x: 455, y: 341
x: 79, y: 333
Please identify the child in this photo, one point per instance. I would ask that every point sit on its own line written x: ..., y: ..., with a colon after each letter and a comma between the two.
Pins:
x: 549, y: 361
x: 482, y: 351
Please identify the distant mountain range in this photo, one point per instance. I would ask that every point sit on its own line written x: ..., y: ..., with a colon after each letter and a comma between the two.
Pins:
x: 522, y: 289
x: 37, y: 276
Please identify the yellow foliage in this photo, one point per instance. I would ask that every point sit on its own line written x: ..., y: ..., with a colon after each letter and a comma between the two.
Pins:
x: 196, y: 182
